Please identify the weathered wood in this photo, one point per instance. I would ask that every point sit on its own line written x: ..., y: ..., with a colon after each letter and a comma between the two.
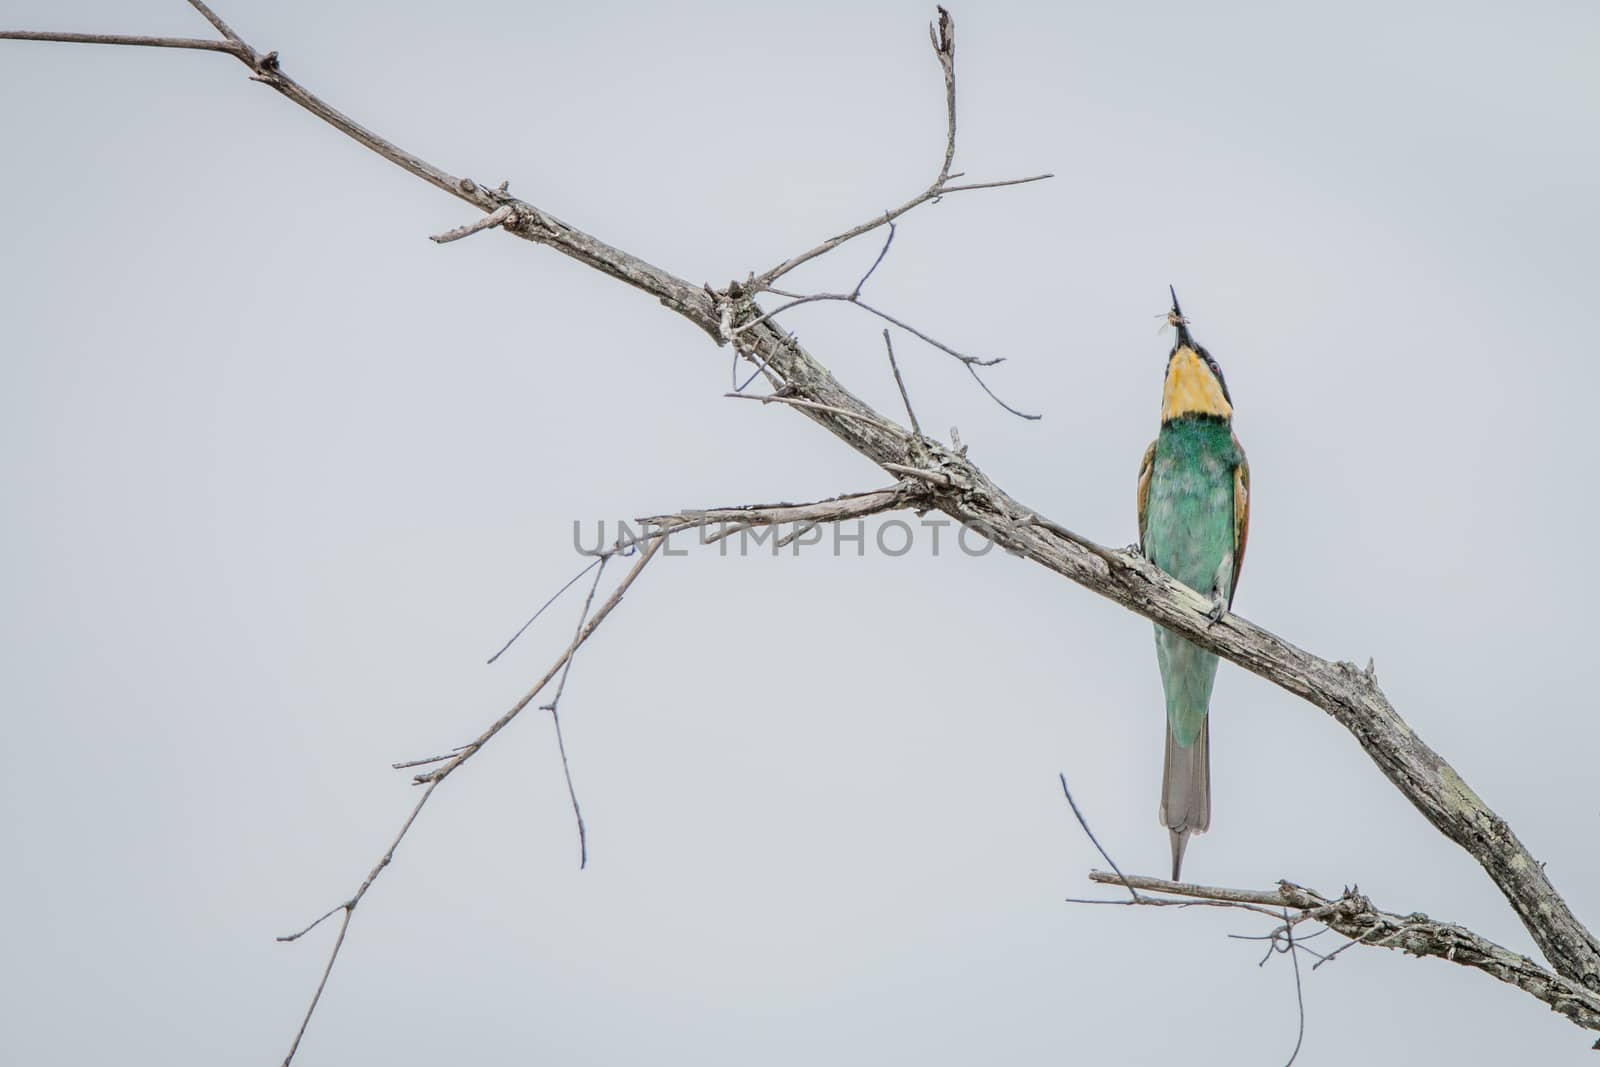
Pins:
x: 1355, y: 917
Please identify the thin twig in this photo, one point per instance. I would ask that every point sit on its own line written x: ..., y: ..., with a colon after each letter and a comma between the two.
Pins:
x: 555, y: 717
x: 985, y: 387
x: 1299, y: 996
x: 434, y: 778
x: 944, y: 481
x: 1157, y: 902
x: 943, y: 36
x: 994, y: 185
x: 811, y: 405
x: 834, y: 509
x: 322, y: 983
x: 799, y: 531
x: 655, y: 542
x: 421, y: 762
x: 221, y: 27
x: 545, y: 606
x: 1095, y: 840
x: 900, y: 382
x: 318, y: 921
x: 1278, y: 933
x: 884, y: 251
x: 1114, y: 563
x: 762, y: 363
x: 495, y: 218
x: 972, y: 363
x: 137, y: 41
x: 1355, y: 917
x: 349, y: 908
x: 855, y: 298
x: 1272, y: 898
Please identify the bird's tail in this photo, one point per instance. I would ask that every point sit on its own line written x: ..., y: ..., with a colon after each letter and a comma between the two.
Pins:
x: 1186, y: 791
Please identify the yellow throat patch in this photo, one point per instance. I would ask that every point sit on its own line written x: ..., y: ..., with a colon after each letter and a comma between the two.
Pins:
x: 1191, y: 388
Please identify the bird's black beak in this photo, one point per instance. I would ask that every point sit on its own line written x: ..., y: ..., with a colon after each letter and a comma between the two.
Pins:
x: 1176, y: 320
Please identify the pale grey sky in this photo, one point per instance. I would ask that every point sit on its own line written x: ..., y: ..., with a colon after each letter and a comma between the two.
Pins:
x: 280, y: 474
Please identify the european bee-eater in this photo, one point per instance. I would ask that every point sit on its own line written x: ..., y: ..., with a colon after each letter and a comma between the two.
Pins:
x: 1194, y: 515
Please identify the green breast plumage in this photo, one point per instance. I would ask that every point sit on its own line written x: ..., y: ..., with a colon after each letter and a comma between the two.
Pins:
x: 1189, y: 533
x: 1189, y: 514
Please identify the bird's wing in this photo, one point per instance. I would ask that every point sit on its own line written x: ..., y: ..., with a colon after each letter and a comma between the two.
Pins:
x: 1241, y: 515
x: 1145, y: 466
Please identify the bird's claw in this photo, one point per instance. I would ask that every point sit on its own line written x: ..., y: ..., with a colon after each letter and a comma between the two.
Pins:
x: 1219, y: 608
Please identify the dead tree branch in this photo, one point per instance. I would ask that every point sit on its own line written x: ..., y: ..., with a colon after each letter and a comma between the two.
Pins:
x: 900, y: 383
x: 856, y: 505
x: 943, y: 35
x: 554, y: 708
x: 497, y: 217
x: 197, y: 43
x: 971, y: 363
x: 957, y: 487
x: 834, y: 509
x: 433, y: 779
x: 1357, y: 918
x: 738, y: 299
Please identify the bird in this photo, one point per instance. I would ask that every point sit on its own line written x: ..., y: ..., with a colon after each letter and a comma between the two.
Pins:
x: 1194, y: 520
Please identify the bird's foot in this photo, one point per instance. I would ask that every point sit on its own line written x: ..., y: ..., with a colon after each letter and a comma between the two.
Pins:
x: 1219, y: 608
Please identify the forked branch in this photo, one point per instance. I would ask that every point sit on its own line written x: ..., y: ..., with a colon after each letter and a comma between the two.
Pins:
x: 942, y: 33
x: 803, y: 516
x: 1355, y: 916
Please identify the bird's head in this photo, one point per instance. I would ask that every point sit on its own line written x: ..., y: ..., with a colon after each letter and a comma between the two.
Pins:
x: 1194, y: 384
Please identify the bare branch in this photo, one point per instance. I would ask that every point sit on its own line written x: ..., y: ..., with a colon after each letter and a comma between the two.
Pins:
x: 555, y: 717
x: 943, y: 36
x: 993, y: 185
x: 809, y: 405
x: 584, y: 632
x: 1269, y: 898
x: 1299, y: 994
x: 972, y: 363
x: 318, y: 921
x: 884, y: 251
x: 196, y: 43
x: 900, y: 382
x: 542, y: 608
x: 423, y: 762
x: 349, y: 909
x: 1354, y: 916
x: 1095, y: 840
x: 211, y: 17
x: 972, y: 370
x: 433, y: 779
x: 855, y: 298
x: 322, y: 983
x: 1114, y: 563
x: 495, y: 218
x: 834, y: 509
x: 943, y: 481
